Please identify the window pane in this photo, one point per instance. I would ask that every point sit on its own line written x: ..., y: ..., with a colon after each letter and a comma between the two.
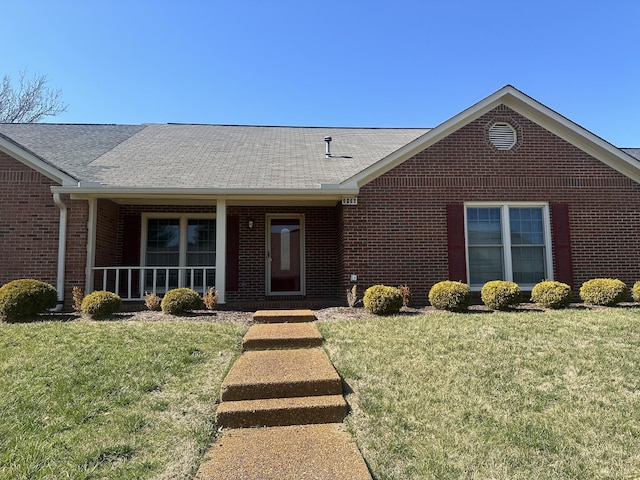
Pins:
x: 528, y: 264
x: 483, y: 226
x: 163, y: 241
x: 201, y: 236
x: 485, y: 264
x: 526, y: 226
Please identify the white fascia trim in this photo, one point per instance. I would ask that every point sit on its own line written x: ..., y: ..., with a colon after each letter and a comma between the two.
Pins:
x: 106, y: 192
x: 31, y: 161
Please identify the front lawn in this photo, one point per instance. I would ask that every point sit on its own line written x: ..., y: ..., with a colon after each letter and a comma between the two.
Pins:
x: 125, y: 399
x: 494, y: 395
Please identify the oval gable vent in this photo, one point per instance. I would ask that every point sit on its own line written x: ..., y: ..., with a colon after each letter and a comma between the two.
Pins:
x: 502, y: 136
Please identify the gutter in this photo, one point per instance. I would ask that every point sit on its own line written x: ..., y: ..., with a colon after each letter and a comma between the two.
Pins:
x: 62, y: 251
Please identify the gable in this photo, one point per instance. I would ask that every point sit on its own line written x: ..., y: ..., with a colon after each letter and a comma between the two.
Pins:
x: 515, y: 102
x: 466, y: 161
x: 30, y: 160
x: 13, y: 172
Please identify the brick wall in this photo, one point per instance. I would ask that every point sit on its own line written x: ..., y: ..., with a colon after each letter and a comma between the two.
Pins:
x: 321, y: 252
x: 107, y: 241
x: 29, y: 224
x: 398, y: 233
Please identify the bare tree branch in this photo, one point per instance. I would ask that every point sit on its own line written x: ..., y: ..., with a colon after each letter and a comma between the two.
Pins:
x: 30, y: 101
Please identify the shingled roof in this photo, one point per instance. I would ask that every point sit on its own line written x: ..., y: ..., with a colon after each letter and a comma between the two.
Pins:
x: 208, y: 156
x: 634, y: 152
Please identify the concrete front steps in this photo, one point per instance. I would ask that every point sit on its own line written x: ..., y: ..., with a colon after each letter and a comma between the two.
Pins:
x: 277, y: 383
x: 284, y: 383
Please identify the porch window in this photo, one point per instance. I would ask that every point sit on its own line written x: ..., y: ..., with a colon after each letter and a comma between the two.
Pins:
x: 508, y: 242
x: 180, y: 251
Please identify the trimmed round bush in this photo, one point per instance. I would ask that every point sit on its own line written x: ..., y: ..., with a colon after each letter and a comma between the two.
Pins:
x: 382, y: 300
x: 26, y: 298
x: 635, y: 292
x: 451, y: 296
x: 100, y: 304
x: 551, y: 294
x: 181, y: 300
x: 606, y: 292
x: 500, y: 294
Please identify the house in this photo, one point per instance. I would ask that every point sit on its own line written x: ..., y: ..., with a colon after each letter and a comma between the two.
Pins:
x: 507, y: 189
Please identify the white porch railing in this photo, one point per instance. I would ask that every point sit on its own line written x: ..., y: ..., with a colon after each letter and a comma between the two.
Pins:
x: 131, y: 283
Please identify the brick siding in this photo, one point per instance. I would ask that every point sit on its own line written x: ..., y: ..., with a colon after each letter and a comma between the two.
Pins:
x: 29, y: 224
x: 398, y: 232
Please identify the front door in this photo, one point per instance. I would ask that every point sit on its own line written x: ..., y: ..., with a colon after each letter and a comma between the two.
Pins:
x: 285, y: 254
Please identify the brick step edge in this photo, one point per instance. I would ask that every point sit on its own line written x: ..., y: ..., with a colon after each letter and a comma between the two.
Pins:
x: 283, y: 316
x: 282, y: 412
x: 271, y: 390
x: 280, y: 343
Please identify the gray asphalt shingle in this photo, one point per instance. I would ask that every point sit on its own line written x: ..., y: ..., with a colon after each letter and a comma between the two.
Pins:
x: 209, y: 156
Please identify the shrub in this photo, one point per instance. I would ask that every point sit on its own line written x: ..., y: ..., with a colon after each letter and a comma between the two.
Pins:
x: 382, y: 300
x: 152, y: 301
x: 451, y: 296
x: 180, y: 300
x: 101, y: 303
x: 603, y: 291
x: 211, y: 299
x: 26, y: 298
x: 500, y: 294
x: 635, y: 292
x: 78, y: 296
x: 550, y: 294
x: 352, y: 296
x: 405, y: 292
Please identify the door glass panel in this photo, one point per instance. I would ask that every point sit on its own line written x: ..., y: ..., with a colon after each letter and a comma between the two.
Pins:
x: 285, y: 255
x: 285, y: 249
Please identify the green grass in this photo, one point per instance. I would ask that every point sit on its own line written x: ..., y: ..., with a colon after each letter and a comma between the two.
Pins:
x: 125, y: 400
x: 524, y: 395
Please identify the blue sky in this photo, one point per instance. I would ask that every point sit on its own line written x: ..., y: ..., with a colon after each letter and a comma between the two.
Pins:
x: 333, y: 63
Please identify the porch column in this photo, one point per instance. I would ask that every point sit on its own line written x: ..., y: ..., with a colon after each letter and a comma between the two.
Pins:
x: 221, y: 247
x: 91, y: 245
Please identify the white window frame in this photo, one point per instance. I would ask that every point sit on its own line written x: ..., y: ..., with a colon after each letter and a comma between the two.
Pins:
x: 506, y: 238
x: 184, y: 222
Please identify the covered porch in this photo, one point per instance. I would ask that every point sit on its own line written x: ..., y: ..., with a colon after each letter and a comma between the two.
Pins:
x: 252, y: 254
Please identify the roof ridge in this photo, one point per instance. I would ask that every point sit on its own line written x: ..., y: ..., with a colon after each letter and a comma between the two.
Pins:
x: 286, y: 126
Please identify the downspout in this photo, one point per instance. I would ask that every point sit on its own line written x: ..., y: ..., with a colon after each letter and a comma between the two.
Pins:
x: 62, y: 251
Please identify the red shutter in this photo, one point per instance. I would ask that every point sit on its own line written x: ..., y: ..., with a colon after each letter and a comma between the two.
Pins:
x: 562, y: 242
x: 455, y: 241
x: 131, y: 231
x: 131, y: 226
x: 233, y: 253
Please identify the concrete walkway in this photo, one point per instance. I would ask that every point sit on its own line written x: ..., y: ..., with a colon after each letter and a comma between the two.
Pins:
x: 282, y: 408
